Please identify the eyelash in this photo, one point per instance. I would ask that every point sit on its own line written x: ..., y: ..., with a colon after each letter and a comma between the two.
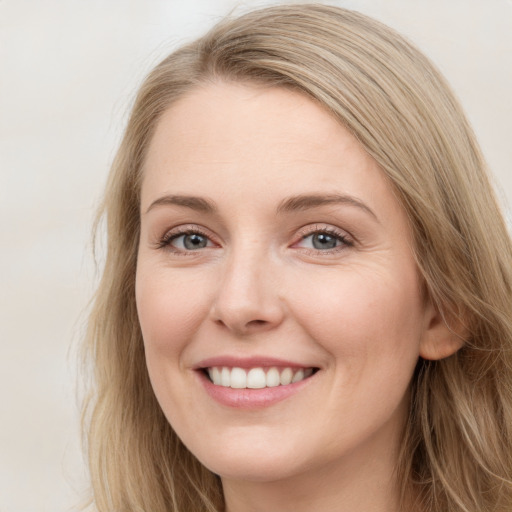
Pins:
x: 166, y: 241
x: 340, y: 236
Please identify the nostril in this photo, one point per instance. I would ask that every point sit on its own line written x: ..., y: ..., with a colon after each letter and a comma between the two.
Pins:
x: 256, y: 324
x: 242, y: 328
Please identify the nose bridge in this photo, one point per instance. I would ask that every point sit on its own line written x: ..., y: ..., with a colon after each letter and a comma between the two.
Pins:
x: 247, y: 296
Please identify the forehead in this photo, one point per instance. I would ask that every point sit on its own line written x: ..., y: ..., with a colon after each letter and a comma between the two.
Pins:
x: 228, y: 116
x: 259, y: 142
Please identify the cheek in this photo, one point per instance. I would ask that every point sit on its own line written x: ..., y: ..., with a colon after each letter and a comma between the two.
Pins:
x: 362, y: 317
x: 170, y: 308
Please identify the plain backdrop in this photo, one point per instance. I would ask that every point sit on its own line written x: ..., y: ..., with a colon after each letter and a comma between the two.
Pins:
x: 68, y: 73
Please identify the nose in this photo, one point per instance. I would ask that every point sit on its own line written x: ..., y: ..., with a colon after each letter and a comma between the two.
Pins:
x: 248, y: 299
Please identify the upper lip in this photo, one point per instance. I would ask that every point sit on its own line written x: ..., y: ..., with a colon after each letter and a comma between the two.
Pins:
x: 248, y: 362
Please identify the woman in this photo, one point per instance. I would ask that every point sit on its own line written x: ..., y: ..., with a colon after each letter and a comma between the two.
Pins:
x: 307, y: 294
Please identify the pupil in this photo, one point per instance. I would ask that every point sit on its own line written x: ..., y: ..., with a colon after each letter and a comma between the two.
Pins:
x: 194, y: 241
x: 323, y: 241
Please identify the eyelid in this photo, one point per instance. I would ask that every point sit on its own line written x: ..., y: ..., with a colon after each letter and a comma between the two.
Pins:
x: 312, y: 229
x: 322, y: 228
x: 164, y: 242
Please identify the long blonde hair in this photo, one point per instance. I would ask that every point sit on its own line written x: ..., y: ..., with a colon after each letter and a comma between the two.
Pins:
x: 457, y: 449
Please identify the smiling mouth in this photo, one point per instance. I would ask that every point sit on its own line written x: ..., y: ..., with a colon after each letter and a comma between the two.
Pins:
x: 256, y: 378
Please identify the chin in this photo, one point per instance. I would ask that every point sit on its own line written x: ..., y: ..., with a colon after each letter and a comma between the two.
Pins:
x: 257, y: 462
x: 261, y: 469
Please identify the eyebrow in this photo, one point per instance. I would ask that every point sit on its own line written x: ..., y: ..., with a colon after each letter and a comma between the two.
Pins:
x: 305, y: 202
x: 291, y: 204
x: 194, y: 203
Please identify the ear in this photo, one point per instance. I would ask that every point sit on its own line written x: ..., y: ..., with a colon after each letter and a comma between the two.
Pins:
x: 444, y: 334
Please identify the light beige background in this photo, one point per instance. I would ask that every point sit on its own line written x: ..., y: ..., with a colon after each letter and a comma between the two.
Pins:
x: 68, y: 71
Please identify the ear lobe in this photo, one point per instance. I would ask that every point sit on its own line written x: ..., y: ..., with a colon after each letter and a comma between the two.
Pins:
x: 444, y: 335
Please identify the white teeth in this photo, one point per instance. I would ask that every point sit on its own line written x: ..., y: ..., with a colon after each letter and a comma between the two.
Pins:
x: 256, y: 378
x: 299, y: 375
x: 238, y: 378
x: 286, y: 376
x: 273, y: 378
x: 216, y: 375
x: 225, y: 377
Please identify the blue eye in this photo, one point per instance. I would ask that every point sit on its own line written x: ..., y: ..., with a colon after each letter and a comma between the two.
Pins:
x: 323, y: 241
x: 190, y: 241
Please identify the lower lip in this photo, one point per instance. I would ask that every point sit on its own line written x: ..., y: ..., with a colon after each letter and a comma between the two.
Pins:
x: 251, y: 398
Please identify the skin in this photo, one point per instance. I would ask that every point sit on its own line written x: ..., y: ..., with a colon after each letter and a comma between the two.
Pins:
x: 261, y: 287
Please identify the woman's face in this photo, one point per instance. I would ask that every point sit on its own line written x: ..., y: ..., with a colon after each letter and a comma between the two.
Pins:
x: 275, y: 257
